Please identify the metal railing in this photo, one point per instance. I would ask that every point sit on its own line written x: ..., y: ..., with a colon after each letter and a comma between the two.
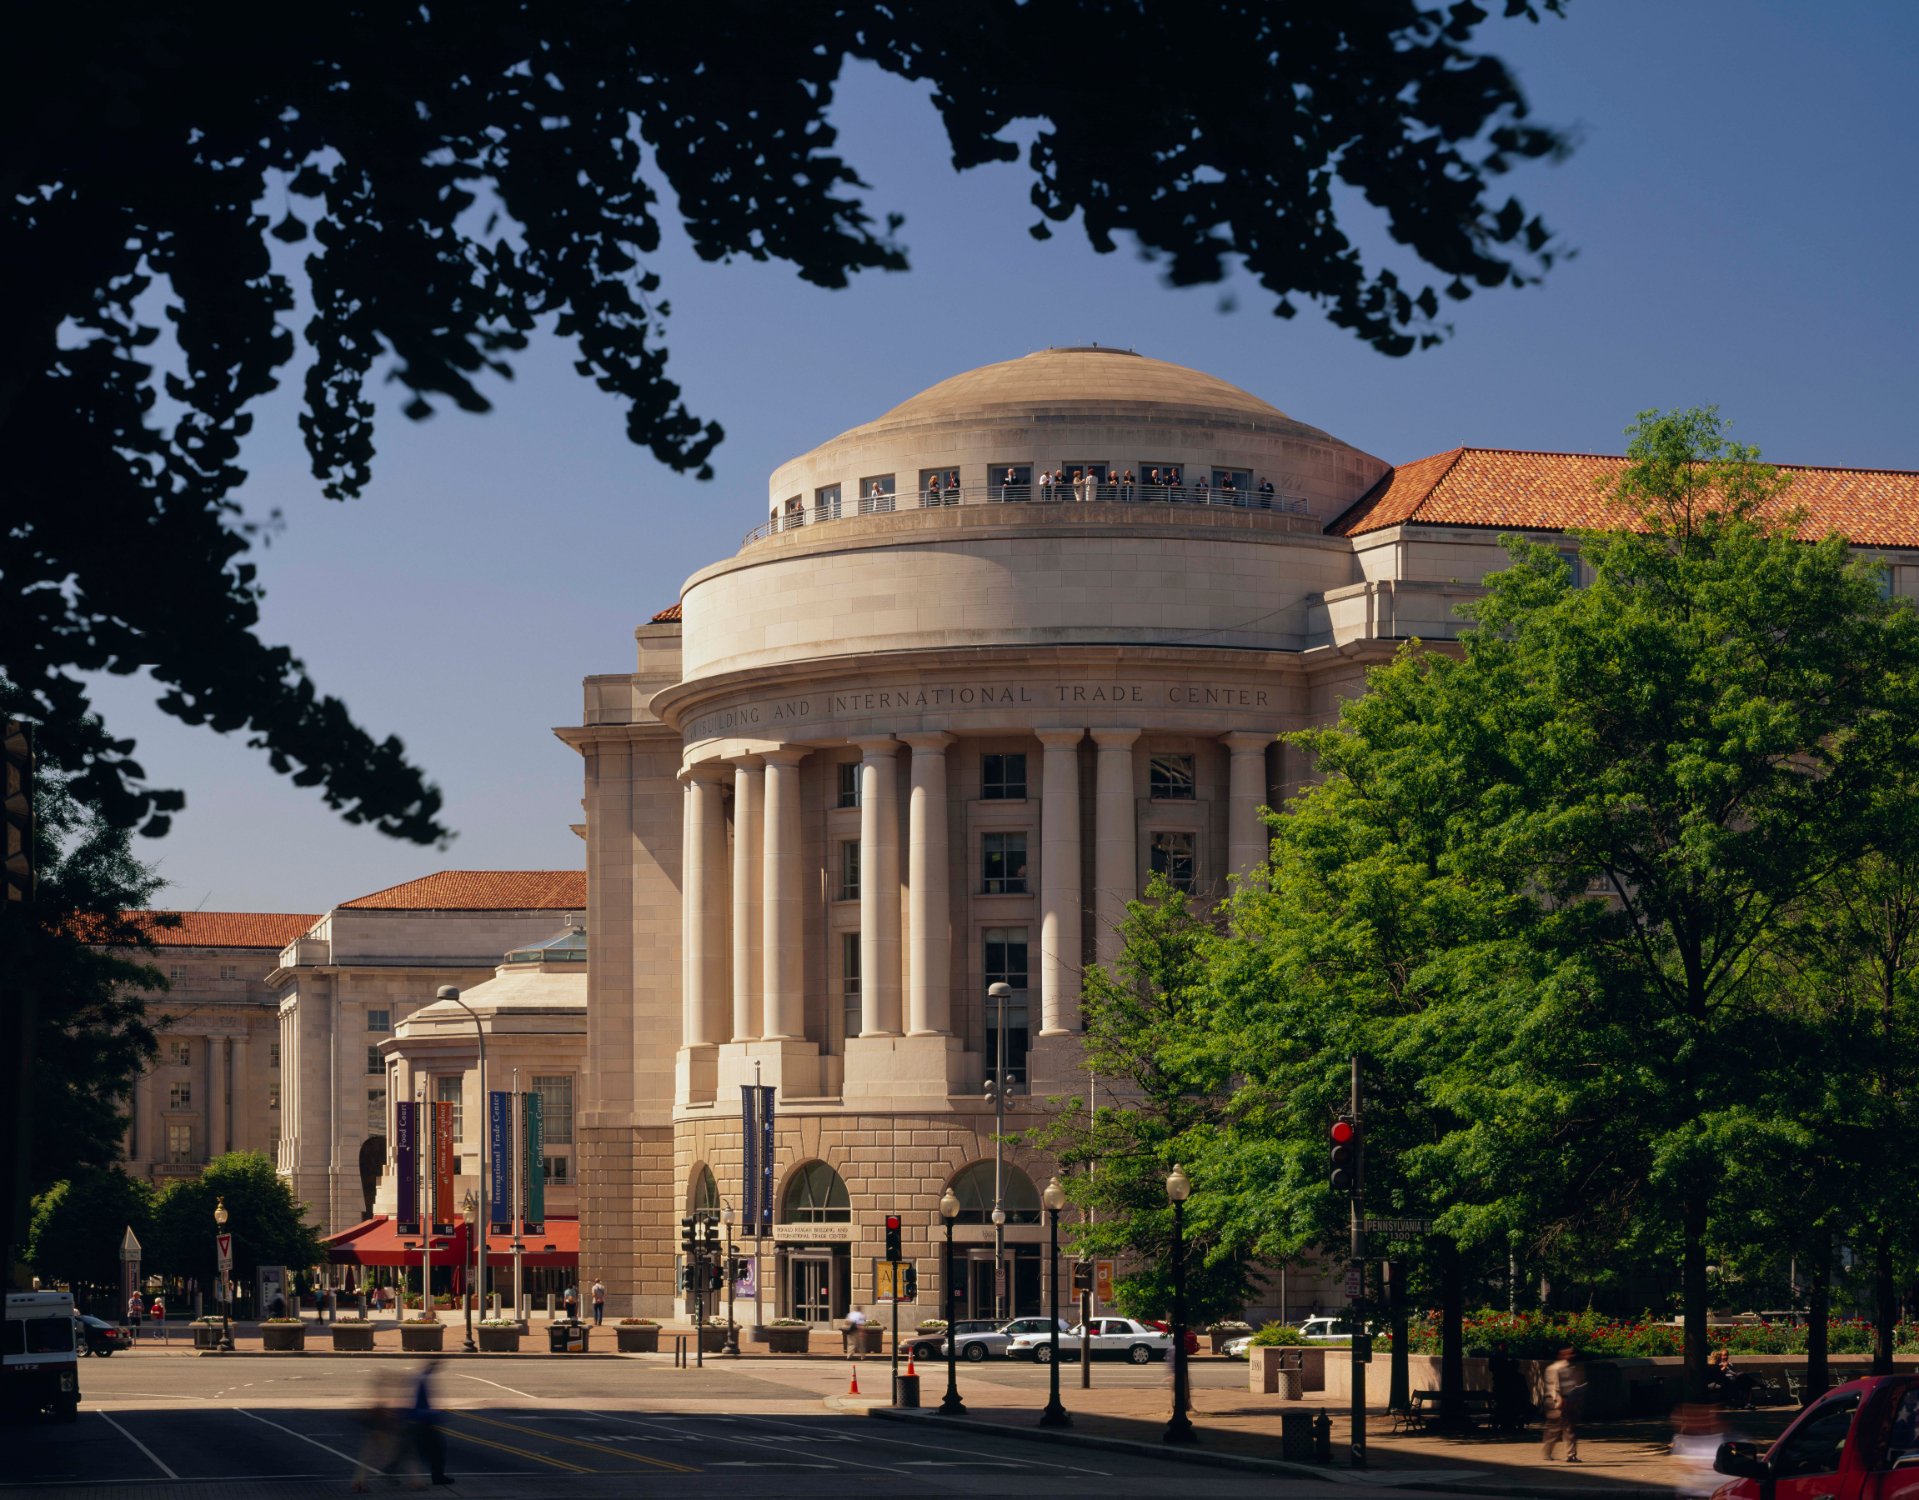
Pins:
x: 1098, y: 492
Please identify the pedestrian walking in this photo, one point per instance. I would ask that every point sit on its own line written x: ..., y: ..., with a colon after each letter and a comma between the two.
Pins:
x: 855, y: 1334
x: 599, y: 1301
x: 136, y: 1309
x: 1565, y: 1394
x: 571, y: 1299
x: 423, y: 1427
x: 158, y: 1312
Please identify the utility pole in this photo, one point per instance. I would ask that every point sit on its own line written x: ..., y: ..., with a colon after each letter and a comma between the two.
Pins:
x: 1356, y: 1274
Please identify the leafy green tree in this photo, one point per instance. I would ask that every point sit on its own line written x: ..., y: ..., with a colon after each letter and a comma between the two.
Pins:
x: 75, y: 1232
x: 267, y: 1222
x: 466, y: 174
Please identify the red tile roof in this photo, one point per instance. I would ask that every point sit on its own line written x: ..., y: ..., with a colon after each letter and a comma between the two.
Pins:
x: 667, y: 616
x: 481, y: 890
x: 1553, y: 491
x: 226, y: 929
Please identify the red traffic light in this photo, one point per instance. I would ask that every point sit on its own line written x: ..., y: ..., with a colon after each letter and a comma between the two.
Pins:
x: 893, y: 1221
x: 1344, y: 1131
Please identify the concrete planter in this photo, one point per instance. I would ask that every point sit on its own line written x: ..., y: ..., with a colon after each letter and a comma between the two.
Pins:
x: 207, y: 1335
x: 870, y: 1340
x: 353, y: 1338
x: 712, y: 1338
x: 283, y: 1338
x: 788, y: 1340
x: 638, y: 1339
x: 499, y: 1340
x: 422, y: 1338
x: 1263, y: 1372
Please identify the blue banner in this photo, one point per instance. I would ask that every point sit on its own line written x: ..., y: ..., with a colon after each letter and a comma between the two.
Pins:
x: 765, y: 1225
x: 499, y: 1146
x: 406, y: 1163
x: 749, y: 1158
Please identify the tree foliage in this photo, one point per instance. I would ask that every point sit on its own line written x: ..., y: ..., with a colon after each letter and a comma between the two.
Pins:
x: 466, y: 175
x: 267, y: 1222
x: 77, y: 1226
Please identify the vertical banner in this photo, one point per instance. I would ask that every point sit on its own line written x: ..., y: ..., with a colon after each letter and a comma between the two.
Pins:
x: 407, y: 1166
x: 444, y: 1202
x: 535, y: 1164
x: 750, y: 1157
x: 765, y: 1225
x: 499, y: 1146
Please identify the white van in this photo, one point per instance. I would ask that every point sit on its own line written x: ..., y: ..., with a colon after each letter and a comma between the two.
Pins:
x: 42, y: 1369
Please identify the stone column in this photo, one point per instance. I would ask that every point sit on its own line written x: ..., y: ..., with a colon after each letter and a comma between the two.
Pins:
x: 705, y: 878
x: 929, y: 921
x: 216, y: 1111
x: 1059, y: 883
x: 879, y: 887
x: 782, y: 901
x: 1115, y: 839
x: 1247, y: 837
x: 242, y: 1096
x: 749, y: 789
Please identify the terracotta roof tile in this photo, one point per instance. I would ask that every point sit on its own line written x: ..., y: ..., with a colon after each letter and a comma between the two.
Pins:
x: 226, y: 929
x: 481, y: 890
x: 668, y: 615
x: 1554, y: 491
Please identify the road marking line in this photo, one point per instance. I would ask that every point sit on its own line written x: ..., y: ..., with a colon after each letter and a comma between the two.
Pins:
x: 554, y: 1437
x: 138, y: 1444
x: 498, y: 1387
x: 538, y: 1458
x: 301, y: 1436
x: 768, y: 1442
x: 937, y: 1447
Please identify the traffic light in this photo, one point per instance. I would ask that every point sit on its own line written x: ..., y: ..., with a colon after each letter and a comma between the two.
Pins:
x: 893, y: 1237
x: 1344, y: 1157
x: 910, y: 1284
x: 690, y: 1236
x: 712, y: 1234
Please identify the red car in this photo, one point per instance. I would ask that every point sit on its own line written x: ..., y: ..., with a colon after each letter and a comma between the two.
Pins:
x: 1192, y: 1339
x: 1859, y: 1441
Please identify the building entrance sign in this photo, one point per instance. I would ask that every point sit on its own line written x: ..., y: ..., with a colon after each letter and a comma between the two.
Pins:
x: 815, y: 1234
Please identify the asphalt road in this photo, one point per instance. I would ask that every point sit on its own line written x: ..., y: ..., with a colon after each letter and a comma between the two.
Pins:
x: 158, y: 1427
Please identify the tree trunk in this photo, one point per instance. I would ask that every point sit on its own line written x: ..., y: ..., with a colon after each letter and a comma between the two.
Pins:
x: 1819, y: 1316
x: 1885, y: 1311
x: 1693, y: 1290
x: 1399, y: 1396
x: 1452, y: 1336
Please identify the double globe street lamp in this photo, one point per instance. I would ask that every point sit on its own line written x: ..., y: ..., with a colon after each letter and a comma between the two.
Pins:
x: 1054, y: 1199
x: 952, y: 1406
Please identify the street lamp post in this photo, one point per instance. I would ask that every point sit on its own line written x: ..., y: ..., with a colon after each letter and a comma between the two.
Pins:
x: 1003, y: 994
x: 477, y: 1220
x: 732, y: 1349
x: 220, y: 1217
x: 1179, y: 1429
x: 467, y: 1207
x: 952, y: 1406
x: 1054, y: 1198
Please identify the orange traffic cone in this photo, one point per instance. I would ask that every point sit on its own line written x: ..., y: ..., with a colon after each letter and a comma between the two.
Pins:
x: 854, y: 1388
x: 909, y: 1368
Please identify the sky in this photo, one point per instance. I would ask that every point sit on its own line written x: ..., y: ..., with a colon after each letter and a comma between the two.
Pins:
x: 1742, y: 205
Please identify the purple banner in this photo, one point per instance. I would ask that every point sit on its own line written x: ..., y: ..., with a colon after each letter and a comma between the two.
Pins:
x: 499, y: 1145
x: 765, y: 1223
x: 406, y: 1158
x: 749, y: 1158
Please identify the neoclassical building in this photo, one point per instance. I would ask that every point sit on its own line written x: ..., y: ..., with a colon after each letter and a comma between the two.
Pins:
x: 990, y: 660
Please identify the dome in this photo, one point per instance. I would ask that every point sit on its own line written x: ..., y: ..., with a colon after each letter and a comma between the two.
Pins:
x: 1080, y: 381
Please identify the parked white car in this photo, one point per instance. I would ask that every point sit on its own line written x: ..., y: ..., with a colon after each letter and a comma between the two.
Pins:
x: 1120, y: 1338
x: 1236, y: 1348
x: 1327, y: 1331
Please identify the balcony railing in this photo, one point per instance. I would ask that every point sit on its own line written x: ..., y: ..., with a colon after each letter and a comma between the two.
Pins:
x: 1101, y: 492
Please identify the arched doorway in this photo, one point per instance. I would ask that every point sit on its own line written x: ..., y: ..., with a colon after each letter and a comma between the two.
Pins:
x: 815, y: 1234
x: 704, y: 1200
x: 372, y: 1164
x: 981, y: 1293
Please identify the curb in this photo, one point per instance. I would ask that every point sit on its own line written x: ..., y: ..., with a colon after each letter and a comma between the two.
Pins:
x: 390, y: 1354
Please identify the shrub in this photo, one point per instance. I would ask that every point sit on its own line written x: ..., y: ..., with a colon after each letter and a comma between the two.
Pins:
x: 273, y: 1322
x: 1279, y: 1333
x: 931, y: 1325
x: 789, y: 1323
x: 499, y: 1323
x: 638, y: 1323
x: 1230, y: 1325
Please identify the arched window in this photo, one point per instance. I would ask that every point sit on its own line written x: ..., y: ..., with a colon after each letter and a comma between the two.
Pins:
x: 974, y: 1189
x: 706, y: 1195
x: 816, y: 1195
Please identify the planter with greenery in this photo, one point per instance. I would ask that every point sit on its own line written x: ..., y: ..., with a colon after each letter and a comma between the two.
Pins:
x: 713, y: 1336
x: 417, y: 1336
x: 208, y: 1333
x: 499, y: 1336
x: 930, y: 1325
x: 283, y: 1335
x: 352, y: 1336
x: 637, y: 1335
x: 788, y: 1336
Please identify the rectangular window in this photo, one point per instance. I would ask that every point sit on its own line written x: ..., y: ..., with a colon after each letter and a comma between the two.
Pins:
x: 556, y: 1107
x: 180, y: 1096
x: 1085, y: 481
x: 939, y: 487
x: 1002, y: 778
x: 849, y: 783
x: 849, y: 870
x: 1170, y: 778
x: 1885, y: 582
x: 1005, y: 963
x: 1575, y: 567
x: 176, y: 973
x: 376, y: 1067
x: 556, y: 1170
x: 826, y: 503
x: 1159, y: 481
x: 380, y: 1022
x: 231, y: 971
x: 1003, y: 860
x: 180, y: 1054
x: 451, y: 1089
x: 179, y: 1143
x: 1010, y: 482
x: 1232, y: 486
x: 1172, y: 855
x: 273, y: 1096
x: 376, y: 1116
x: 851, y: 1019
x: 273, y: 1054
x: 876, y: 494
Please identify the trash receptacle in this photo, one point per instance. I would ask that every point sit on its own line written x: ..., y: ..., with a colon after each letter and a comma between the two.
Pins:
x: 907, y: 1391
x: 1296, y: 1436
x: 1292, y: 1384
x: 563, y: 1337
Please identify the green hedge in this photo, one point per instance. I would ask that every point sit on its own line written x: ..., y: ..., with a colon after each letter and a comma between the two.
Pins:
x: 1537, y: 1336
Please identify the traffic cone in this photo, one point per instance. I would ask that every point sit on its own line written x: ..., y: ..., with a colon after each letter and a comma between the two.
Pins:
x: 909, y: 1368
x: 854, y: 1388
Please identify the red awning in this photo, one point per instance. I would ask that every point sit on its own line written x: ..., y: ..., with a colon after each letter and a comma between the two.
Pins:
x: 378, y: 1242
x: 557, y: 1246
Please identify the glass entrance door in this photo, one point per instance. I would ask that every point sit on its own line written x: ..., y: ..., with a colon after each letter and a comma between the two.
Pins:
x: 812, y: 1288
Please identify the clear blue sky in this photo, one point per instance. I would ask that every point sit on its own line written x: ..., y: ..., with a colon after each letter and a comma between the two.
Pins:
x: 1743, y: 206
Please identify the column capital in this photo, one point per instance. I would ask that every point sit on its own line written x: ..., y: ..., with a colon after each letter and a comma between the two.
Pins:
x: 1242, y: 741
x: 927, y: 741
x: 786, y: 755
x: 751, y: 761
x: 1115, y: 739
x: 712, y: 772
x: 1060, y: 739
x: 876, y: 746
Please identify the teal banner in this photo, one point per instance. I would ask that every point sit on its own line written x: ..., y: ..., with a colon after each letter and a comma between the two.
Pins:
x: 535, y: 1164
